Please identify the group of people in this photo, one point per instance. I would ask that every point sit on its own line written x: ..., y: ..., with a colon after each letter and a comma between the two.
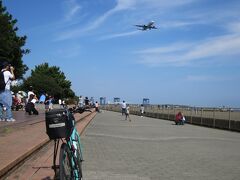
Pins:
x: 86, y: 104
x: 126, y: 110
x: 18, y: 100
x: 179, y: 118
x: 45, y: 99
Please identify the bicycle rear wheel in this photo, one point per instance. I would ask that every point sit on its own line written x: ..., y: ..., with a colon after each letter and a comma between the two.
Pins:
x: 65, y: 165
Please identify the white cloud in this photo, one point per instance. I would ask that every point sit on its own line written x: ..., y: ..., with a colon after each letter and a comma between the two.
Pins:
x: 219, y: 46
x: 167, y: 49
x: 121, y: 5
x: 111, y: 36
x: 187, y: 53
x: 209, y: 78
x: 234, y: 27
x: 71, y: 51
x: 71, y: 8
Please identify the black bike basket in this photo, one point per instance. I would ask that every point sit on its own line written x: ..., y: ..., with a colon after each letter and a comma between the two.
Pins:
x: 59, y: 123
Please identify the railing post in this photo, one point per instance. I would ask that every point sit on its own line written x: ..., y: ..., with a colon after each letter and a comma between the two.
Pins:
x: 201, y: 115
x: 214, y: 117
x: 168, y: 112
x: 191, y: 116
x: 174, y: 112
x: 229, y: 119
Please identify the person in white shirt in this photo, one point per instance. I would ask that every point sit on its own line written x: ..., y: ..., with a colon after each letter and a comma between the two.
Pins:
x: 81, y: 101
x: 142, y: 110
x: 60, y: 103
x: 6, y: 95
x: 30, y: 91
x: 30, y: 107
x: 124, y: 106
x: 97, y: 106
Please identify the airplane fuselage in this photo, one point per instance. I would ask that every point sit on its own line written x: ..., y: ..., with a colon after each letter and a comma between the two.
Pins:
x: 149, y: 26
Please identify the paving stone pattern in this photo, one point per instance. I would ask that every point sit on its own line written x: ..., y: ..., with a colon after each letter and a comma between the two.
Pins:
x: 154, y: 149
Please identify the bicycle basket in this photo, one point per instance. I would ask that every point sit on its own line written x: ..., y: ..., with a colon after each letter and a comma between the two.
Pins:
x: 59, y: 123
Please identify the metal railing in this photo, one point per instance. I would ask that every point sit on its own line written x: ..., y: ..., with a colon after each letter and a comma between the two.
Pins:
x: 225, y: 118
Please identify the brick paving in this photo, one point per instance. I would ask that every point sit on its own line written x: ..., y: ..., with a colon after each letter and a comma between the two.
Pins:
x: 18, y: 139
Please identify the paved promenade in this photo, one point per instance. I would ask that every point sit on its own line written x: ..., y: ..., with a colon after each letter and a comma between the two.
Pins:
x: 147, y: 148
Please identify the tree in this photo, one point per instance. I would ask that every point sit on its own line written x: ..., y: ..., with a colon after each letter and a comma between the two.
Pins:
x: 50, y: 80
x: 11, y: 45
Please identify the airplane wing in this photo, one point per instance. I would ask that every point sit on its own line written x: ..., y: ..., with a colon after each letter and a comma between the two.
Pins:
x: 140, y: 25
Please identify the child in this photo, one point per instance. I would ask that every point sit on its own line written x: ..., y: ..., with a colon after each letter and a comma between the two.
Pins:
x: 127, y: 113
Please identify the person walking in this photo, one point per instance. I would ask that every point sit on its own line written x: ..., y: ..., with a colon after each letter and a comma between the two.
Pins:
x: 7, y: 73
x: 127, y: 112
x: 49, y: 103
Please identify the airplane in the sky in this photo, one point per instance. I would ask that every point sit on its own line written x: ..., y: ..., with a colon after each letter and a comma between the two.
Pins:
x: 148, y: 26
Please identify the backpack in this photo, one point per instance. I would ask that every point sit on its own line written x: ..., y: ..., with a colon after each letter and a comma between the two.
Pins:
x: 2, y: 82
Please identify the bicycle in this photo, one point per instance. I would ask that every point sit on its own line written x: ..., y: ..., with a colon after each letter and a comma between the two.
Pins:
x: 60, y: 125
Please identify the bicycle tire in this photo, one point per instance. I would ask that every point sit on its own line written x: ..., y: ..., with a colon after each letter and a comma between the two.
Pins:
x: 65, y: 165
x: 79, y: 158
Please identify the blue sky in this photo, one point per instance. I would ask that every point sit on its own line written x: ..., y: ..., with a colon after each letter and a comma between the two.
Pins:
x: 191, y: 59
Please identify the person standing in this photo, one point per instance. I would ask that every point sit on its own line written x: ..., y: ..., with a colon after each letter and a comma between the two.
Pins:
x: 60, y: 103
x: 81, y: 102
x: 51, y: 99
x: 42, y: 98
x: 124, y: 106
x: 48, y: 103
x: 86, y: 102
x: 142, y: 110
x: 5, y: 94
x: 97, y: 107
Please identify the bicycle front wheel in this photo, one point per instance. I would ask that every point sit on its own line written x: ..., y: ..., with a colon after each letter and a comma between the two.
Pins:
x: 79, y: 155
x: 65, y: 165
